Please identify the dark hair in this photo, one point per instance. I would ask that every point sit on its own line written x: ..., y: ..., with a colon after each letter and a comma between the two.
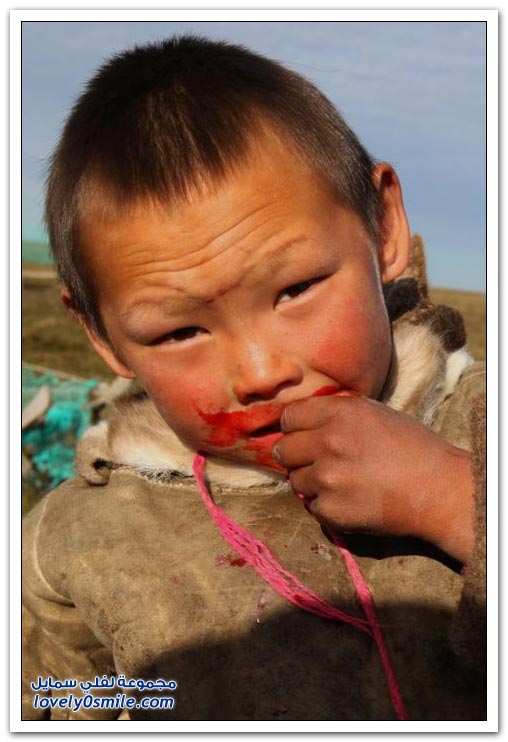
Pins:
x: 156, y: 119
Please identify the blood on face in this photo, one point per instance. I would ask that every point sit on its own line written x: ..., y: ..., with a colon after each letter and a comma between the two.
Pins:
x: 258, y: 427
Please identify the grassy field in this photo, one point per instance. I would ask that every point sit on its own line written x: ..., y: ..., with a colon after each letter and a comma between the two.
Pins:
x: 52, y: 339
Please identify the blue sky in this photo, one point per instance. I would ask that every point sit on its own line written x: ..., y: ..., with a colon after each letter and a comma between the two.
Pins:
x: 414, y: 92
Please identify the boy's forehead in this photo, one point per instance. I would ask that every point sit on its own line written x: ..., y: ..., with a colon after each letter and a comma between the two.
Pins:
x: 270, y: 186
x: 267, y: 211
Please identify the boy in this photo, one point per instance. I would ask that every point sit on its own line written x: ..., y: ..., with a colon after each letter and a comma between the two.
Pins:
x: 224, y: 238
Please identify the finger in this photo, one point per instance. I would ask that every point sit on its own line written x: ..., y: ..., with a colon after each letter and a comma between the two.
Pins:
x: 307, y: 414
x: 294, y: 450
x: 302, y: 483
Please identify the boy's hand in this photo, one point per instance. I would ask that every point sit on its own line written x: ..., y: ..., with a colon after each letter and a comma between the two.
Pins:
x: 364, y: 467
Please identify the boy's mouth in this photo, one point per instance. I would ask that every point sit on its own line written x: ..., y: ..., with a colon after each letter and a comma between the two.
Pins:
x: 256, y: 424
x: 266, y: 430
x: 261, y: 423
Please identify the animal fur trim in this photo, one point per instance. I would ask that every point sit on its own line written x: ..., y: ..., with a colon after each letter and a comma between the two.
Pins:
x: 137, y: 437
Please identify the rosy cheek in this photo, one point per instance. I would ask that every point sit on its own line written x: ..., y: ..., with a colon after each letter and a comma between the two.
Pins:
x: 328, y: 353
x: 338, y: 347
x: 179, y: 401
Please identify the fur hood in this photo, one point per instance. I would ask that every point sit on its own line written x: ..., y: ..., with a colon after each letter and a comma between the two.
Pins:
x: 429, y: 357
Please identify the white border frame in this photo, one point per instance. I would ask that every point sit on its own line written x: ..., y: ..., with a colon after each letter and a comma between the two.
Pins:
x: 227, y: 13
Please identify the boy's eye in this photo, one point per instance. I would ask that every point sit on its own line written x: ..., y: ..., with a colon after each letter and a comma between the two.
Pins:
x: 177, y: 336
x: 297, y: 288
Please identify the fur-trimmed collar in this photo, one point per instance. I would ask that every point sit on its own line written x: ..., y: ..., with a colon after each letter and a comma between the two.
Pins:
x: 429, y: 357
x: 429, y: 344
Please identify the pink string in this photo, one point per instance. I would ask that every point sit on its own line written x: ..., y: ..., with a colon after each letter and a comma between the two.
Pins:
x: 367, y: 601
x: 264, y: 563
x: 262, y: 560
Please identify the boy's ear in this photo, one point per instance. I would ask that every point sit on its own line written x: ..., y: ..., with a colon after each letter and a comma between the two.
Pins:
x: 394, y: 237
x: 101, y: 347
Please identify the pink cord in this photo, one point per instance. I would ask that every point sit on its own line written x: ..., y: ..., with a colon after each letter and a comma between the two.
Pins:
x: 365, y: 597
x: 262, y: 560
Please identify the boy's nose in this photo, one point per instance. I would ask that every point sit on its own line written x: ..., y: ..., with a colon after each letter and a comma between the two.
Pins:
x: 262, y: 374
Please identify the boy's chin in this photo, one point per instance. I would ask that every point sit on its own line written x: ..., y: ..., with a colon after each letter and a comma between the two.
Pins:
x: 260, y: 452
x: 254, y: 452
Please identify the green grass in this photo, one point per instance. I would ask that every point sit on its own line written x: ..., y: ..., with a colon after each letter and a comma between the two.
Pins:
x: 50, y: 337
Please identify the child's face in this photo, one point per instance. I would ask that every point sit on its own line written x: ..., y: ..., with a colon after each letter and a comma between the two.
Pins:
x: 249, y: 296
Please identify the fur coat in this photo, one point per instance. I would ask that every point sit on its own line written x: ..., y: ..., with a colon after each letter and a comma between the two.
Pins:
x: 125, y: 572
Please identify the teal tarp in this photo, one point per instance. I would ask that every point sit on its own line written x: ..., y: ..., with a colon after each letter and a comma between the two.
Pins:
x: 52, y: 443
